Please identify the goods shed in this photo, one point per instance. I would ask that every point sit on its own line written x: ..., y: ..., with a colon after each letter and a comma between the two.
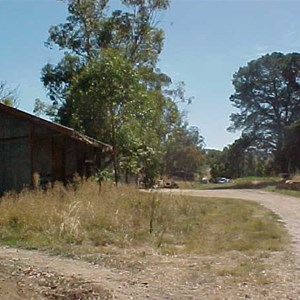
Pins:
x: 30, y: 145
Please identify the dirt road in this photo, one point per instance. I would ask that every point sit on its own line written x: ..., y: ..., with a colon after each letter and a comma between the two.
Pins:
x: 34, y: 275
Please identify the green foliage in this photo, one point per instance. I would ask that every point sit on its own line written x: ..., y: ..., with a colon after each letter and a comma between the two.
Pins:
x: 107, y: 84
x: 110, y: 104
x: 57, y: 80
x: 267, y: 95
x: 105, y: 93
x: 240, y: 159
x: 102, y: 175
x: 184, y: 155
x: 243, y: 159
x: 291, y: 147
x: 237, y: 155
x: 89, y: 28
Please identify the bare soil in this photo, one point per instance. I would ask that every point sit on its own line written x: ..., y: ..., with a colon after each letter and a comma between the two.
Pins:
x: 145, y: 274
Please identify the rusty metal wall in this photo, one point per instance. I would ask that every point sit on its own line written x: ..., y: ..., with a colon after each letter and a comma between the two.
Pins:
x: 42, y: 157
x: 27, y: 148
x: 14, y: 153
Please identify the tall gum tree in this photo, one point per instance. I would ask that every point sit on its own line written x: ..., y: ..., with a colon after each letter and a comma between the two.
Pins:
x: 91, y: 28
x: 90, y: 32
x: 267, y: 95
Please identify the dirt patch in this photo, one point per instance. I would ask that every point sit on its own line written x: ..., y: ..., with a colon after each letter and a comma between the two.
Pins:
x: 154, y: 276
x: 10, y: 287
x: 19, y: 281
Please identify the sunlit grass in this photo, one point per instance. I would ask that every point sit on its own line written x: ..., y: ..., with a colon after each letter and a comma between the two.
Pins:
x: 284, y: 191
x: 238, y: 183
x: 66, y: 218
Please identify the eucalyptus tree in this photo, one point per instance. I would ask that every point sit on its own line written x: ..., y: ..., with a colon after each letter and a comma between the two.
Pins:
x: 267, y: 95
x: 108, y: 85
x: 292, y: 147
x: 184, y: 152
x: 123, y: 118
x: 91, y: 28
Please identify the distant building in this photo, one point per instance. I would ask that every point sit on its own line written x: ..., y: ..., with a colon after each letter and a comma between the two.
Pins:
x: 30, y: 145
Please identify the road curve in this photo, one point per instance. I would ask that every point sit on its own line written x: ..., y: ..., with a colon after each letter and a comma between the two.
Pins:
x: 286, y: 207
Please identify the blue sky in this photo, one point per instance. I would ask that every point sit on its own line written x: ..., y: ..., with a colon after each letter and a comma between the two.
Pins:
x: 206, y: 42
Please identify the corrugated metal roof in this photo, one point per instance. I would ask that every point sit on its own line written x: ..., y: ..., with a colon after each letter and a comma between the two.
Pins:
x: 54, y: 126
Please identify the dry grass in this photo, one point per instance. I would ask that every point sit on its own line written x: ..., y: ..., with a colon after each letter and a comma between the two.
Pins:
x: 61, y: 219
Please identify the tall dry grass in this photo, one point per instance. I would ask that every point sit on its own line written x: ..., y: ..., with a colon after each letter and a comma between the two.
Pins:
x: 124, y: 217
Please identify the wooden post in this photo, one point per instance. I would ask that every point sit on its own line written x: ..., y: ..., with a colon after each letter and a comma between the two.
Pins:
x: 31, y: 151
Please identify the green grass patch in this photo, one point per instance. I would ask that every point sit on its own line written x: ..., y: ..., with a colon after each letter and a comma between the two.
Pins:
x: 283, y: 191
x: 225, y: 225
x: 238, y: 183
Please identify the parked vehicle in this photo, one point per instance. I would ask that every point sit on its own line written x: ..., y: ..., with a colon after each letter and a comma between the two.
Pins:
x: 222, y: 180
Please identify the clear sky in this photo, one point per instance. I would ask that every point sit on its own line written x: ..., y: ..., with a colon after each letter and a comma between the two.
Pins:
x: 206, y: 42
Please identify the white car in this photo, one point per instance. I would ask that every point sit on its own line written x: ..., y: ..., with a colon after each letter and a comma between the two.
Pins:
x: 222, y: 180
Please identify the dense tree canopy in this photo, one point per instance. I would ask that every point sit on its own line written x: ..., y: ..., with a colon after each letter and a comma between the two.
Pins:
x: 184, y: 152
x: 267, y: 95
x: 240, y: 159
x: 291, y: 148
x: 90, y: 29
x: 107, y: 84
